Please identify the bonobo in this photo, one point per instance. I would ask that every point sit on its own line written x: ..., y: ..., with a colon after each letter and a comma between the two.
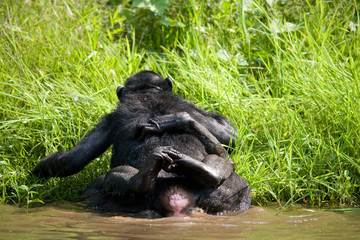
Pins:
x: 167, y: 155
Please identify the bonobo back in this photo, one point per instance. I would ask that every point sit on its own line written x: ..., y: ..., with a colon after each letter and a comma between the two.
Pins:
x: 128, y: 150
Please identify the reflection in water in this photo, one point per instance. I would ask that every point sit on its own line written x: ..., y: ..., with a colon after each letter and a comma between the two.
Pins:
x: 70, y: 221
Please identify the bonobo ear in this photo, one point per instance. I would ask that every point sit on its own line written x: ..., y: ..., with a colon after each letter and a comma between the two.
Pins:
x: 168, y: 80
x: 119, y: 92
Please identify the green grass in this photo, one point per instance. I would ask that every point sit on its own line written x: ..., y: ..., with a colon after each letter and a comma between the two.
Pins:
x: 287, y: 76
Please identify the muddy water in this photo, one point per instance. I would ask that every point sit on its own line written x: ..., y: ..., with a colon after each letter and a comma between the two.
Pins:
x: 69, y: 221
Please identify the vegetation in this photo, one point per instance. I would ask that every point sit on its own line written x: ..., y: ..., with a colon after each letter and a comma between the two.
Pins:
x: 285, y: 72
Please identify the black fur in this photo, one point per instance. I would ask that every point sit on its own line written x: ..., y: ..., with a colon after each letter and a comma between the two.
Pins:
x: 149, y: 125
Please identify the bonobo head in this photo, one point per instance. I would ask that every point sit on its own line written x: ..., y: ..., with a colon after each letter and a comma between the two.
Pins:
x: 145, y: 82
x: 175, y: 201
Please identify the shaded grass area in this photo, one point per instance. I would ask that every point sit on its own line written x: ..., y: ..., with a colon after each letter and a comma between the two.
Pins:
x: 286, y: 74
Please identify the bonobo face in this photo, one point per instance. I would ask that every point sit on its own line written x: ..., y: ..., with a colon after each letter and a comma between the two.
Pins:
x: 144, y: 82
x: 175, y: 202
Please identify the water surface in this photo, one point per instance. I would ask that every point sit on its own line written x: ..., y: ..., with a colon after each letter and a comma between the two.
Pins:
x: 71, y: 221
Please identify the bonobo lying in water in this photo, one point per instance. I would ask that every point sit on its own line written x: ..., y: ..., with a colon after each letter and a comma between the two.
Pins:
x: 167, y: 155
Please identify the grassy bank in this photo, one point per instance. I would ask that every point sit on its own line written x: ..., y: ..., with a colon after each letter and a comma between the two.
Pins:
x: 286, y: 74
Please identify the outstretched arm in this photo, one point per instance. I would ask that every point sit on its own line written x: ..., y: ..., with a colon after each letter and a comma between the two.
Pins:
x: 62, y: 164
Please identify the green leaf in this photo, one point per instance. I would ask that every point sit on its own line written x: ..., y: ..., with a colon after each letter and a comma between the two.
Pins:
x: 156, y: 6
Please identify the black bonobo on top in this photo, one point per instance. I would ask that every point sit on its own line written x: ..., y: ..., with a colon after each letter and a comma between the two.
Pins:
x: 167, y: 155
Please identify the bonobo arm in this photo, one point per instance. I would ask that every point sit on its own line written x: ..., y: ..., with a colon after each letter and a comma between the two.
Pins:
x: 125, y: 180
x: 218, y: 125
x: 62, y: 164
x: 144, y: 182
x: 182, y: 122
x: 211, y: 170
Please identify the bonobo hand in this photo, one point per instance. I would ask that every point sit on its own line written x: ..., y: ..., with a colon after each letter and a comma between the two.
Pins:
x: 162, y: 157
x: 170, y: 160
x: 52, y: 166
x: 143, y: 129
x: 165, y: 123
